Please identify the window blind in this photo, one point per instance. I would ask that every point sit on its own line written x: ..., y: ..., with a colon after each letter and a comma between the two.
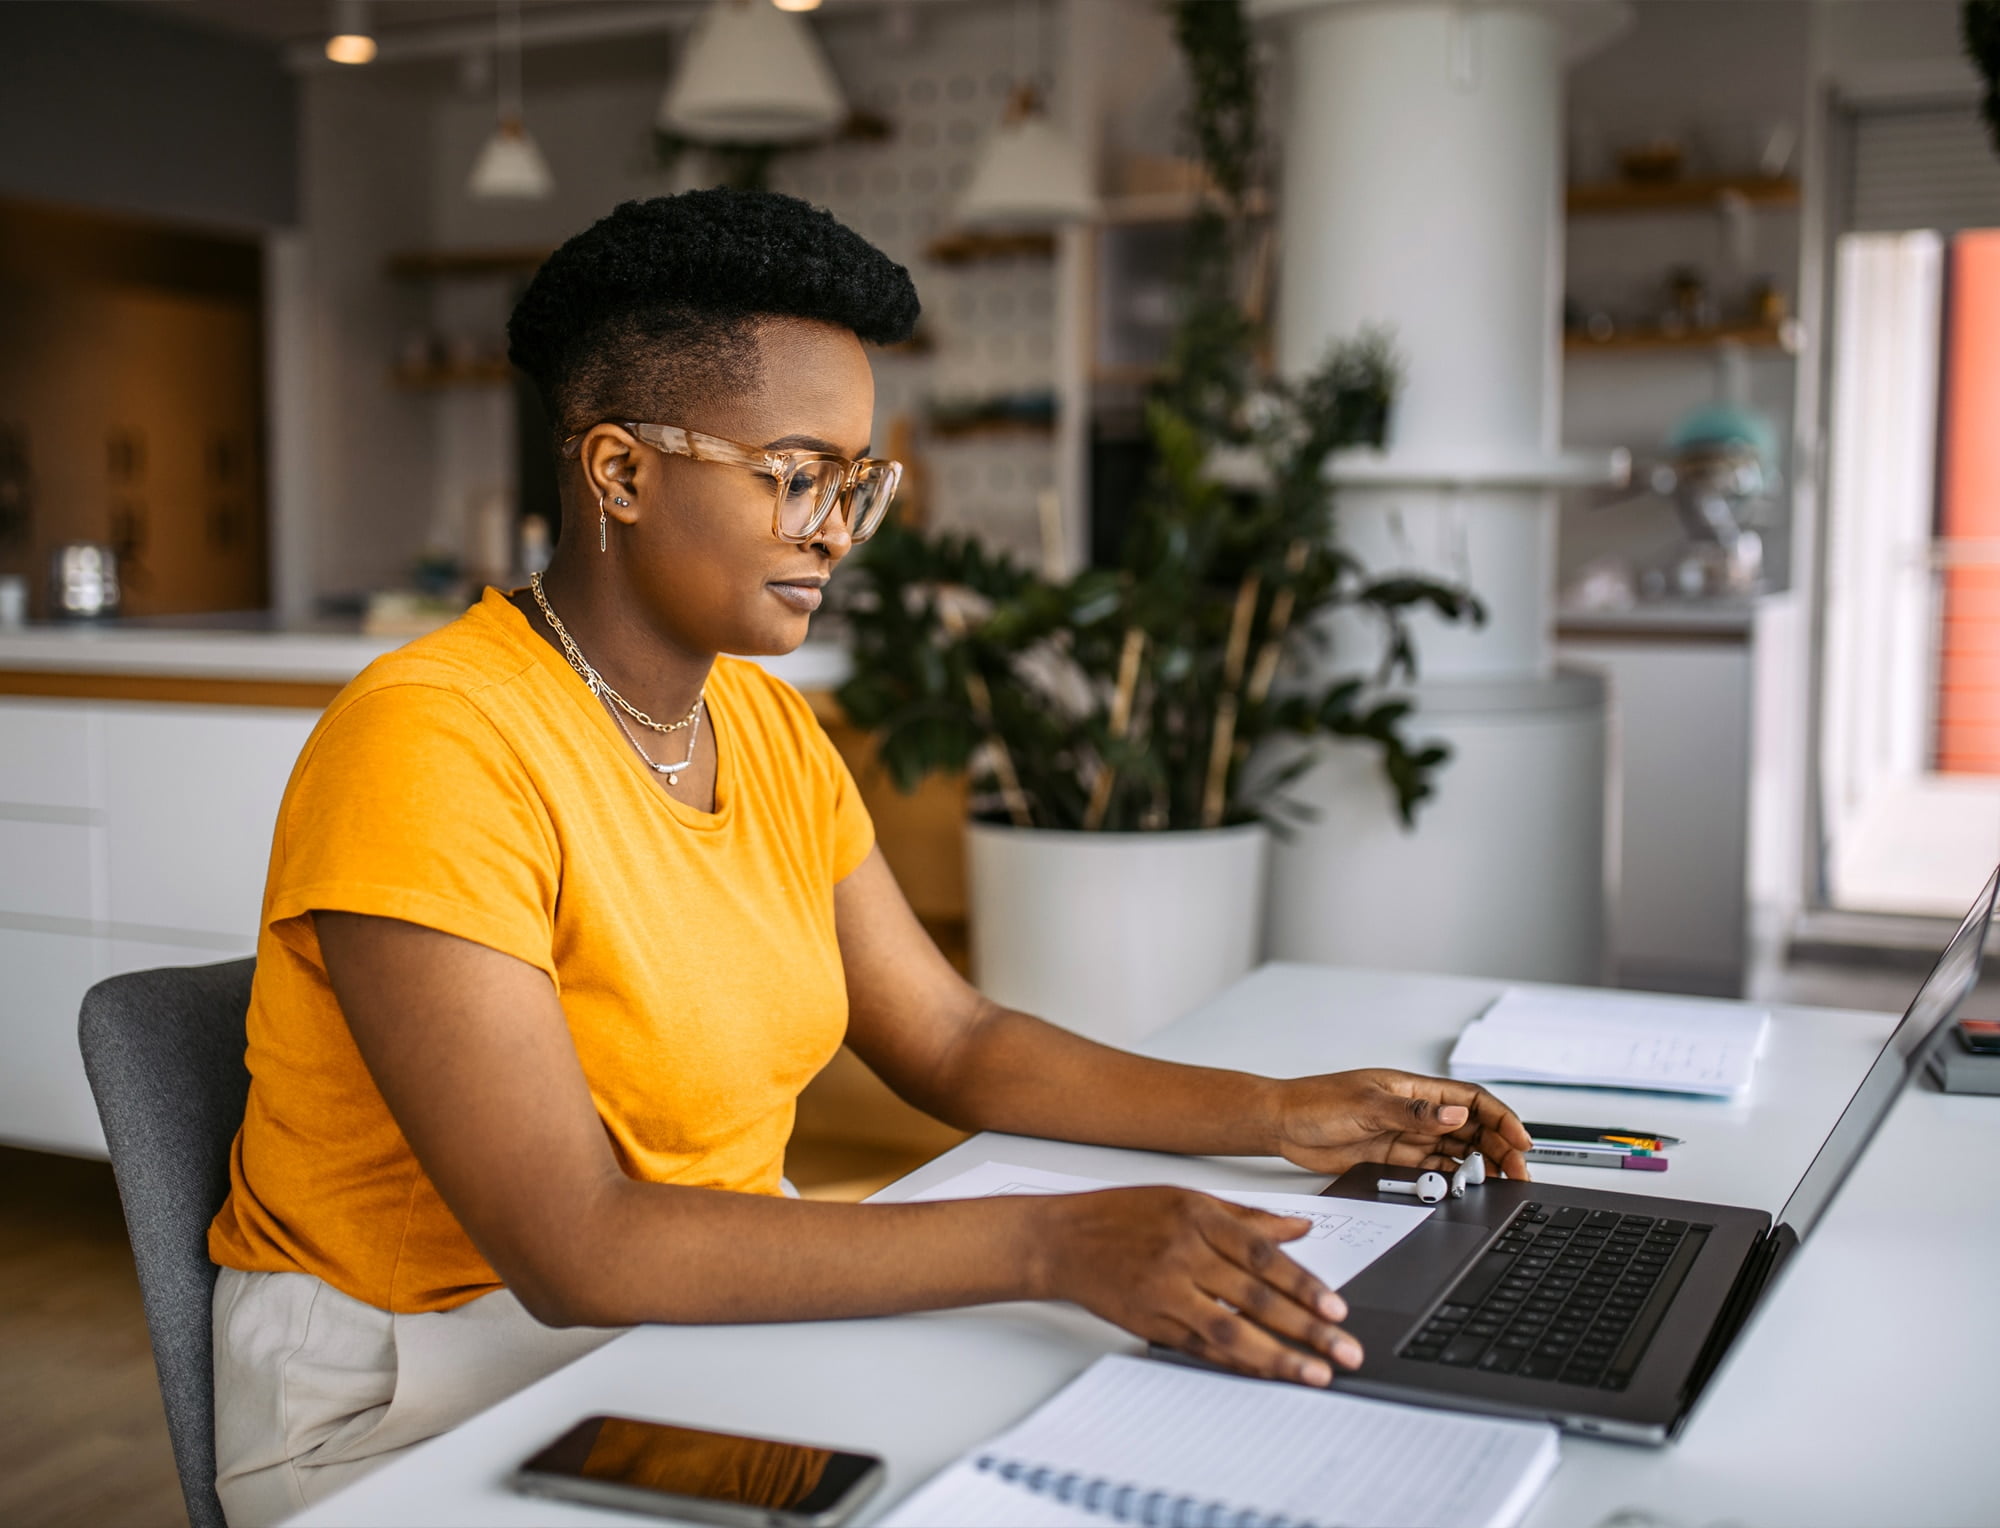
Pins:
x: 1922, y: 167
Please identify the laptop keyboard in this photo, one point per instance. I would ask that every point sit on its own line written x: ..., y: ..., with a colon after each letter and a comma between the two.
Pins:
x: 1565, y: 1294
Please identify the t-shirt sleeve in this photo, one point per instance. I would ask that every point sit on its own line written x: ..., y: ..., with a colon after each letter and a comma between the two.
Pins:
x: 410, y: 805
x: 853, y: 828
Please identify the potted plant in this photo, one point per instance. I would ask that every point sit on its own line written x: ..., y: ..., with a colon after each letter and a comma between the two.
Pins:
x: 1110, y: 722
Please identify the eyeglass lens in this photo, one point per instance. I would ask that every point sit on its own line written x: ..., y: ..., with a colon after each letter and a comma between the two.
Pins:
x: 806, y: 497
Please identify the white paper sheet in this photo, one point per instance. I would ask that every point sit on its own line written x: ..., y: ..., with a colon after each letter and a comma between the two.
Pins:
x: 1245, y: 1444
x: 1612, y: 1040
x: 1347, y: 1235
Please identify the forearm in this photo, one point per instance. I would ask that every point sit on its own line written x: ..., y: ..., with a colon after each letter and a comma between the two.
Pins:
x: 639, y: 1252
x: 1019, y: 1074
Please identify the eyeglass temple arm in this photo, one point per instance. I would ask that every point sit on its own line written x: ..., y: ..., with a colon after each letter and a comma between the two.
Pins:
x: 676, y: 441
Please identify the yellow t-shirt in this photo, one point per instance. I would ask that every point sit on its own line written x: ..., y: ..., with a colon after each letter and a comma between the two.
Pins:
x: 470, y: 783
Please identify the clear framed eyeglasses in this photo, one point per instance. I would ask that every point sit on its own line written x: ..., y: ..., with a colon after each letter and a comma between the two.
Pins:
x: 809, y: 484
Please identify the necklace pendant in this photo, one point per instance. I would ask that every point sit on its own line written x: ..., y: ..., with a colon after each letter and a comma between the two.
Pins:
x: 673, y: 779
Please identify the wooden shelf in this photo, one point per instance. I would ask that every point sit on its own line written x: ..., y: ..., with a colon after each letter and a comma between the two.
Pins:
x: 966, y: 248
x: 496, y: 372
x: 1783, y: 337
x: 1669, y: 195
x: 973, y: 428
x: 461, y: 264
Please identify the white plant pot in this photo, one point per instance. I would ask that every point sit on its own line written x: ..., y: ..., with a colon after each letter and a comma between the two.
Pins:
x: 1113, y: 934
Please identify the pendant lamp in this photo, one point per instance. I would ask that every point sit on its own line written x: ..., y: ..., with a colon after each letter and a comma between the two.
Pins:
x: 350, y: 39
x: 510, y: 167
x: 751, y: 73
x: 1029, y: 176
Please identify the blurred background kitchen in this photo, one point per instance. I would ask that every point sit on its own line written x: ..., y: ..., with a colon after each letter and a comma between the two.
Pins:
x: 1701, y: 332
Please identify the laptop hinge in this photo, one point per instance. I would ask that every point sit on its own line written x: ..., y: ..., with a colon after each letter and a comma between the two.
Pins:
x: 1759, y: 1270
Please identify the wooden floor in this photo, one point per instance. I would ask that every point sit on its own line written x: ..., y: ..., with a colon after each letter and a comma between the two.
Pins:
x: 83, y: 1439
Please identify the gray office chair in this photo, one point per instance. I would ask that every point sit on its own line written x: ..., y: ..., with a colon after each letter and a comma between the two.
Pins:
x: 164, y: 1053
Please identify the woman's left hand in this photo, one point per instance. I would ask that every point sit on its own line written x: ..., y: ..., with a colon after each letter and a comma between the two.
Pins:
x: 1328, y: 1124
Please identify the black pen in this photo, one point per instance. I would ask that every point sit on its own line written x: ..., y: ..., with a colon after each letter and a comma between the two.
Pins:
x: 1595, y: 1133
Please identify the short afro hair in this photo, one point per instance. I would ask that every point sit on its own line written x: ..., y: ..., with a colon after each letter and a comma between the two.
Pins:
x: 657, y: 304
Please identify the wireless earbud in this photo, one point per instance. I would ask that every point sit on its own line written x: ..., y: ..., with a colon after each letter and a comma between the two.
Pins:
x: 1432, y: 1188
x: 1429, y: 1187
x: 1468, y: 1174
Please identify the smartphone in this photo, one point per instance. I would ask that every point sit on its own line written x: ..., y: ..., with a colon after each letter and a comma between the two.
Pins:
x: 1980, y: 1036
x: 706, y: 1477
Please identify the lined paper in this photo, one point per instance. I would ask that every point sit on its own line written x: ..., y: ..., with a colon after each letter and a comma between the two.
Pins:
x: 1346, y: 1236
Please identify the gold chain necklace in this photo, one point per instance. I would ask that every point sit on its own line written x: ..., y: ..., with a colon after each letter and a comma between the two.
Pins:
x: 595, y: 680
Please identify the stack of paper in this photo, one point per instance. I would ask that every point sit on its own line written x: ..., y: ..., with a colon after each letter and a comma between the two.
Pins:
x: 1612, y: 1040
x: 1138, y: 1441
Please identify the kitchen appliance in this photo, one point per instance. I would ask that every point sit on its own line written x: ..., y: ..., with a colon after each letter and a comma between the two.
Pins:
x: 83, y: 581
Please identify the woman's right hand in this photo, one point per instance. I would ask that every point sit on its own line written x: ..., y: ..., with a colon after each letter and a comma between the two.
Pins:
x: 1194, y: 1272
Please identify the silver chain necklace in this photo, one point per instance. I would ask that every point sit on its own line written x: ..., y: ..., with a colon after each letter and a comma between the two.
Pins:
x: 603, y: 691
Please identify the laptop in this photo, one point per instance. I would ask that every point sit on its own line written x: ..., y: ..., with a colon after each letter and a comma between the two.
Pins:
x: 1605, y: 1312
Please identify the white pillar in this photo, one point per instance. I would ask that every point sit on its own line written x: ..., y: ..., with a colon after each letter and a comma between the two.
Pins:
x: 1422, y: 191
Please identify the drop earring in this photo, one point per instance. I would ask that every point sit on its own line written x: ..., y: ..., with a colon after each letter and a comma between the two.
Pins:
x: 603, y: 533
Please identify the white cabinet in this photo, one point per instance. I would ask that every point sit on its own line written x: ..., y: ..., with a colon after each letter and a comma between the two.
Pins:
x: 1680, y: 705
x: 131, y: 836
x: 190, y: 797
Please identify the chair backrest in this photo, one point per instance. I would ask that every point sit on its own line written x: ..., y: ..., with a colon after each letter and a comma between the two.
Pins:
x: 164, y: 1053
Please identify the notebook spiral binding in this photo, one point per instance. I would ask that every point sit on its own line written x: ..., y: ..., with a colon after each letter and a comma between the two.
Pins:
x: 1122, y: 1502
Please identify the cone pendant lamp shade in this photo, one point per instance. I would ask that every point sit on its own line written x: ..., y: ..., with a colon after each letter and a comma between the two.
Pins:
x: 752, y: 73
x: 1029, y: 177
x: 511, y: 167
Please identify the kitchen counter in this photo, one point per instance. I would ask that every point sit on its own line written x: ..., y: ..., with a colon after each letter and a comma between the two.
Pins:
x: 1662, y: 620
x: 33, y: 658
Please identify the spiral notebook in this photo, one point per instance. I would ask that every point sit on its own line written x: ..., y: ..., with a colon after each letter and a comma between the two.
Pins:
x: 1133, y: 1440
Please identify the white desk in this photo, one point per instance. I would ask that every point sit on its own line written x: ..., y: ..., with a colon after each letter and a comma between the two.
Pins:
x: 1860, y: 1396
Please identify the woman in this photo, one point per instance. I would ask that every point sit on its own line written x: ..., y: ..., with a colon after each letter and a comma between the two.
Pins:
x: 564, y: 910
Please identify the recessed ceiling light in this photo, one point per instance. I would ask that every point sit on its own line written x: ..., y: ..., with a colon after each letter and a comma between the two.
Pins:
x: 796, y: 5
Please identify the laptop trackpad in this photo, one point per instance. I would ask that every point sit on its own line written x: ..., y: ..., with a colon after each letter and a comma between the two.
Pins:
x: 1409, y: 1277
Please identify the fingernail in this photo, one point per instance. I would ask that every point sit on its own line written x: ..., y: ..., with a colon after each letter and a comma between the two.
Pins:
x: 1452, y: 1114
x: 1316, y: 1373
x: 1348, y: 1352
x: 1332, y: 1306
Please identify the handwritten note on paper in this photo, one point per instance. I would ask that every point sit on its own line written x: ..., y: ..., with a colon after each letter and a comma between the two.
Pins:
x: 1343, y: 1240
x: 1613, y: 1040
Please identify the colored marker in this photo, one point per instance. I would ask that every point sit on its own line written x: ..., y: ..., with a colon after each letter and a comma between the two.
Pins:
x: 1584, y: 1157
x: 1596, y: 1133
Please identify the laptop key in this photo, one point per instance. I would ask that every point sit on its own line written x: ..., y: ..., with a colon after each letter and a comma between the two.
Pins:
x: 1453, y: 1312
x: 1463, y: 1351
x: 1502, y: 1361
x: 1541, y: 1368
x: 1478, y: 1284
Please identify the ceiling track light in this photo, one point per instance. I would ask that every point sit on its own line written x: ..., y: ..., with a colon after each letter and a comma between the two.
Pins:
x: 350, y: 39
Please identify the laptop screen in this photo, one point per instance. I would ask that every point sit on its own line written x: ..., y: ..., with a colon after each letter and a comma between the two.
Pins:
x: 1934, y: 1006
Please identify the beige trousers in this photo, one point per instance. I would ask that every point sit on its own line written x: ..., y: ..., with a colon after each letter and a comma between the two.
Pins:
x: 313, y: 1389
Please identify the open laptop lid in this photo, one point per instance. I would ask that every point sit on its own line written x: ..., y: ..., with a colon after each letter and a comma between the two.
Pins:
x: 1935, y: 1006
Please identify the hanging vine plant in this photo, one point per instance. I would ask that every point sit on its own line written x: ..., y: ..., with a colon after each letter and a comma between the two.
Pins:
x: 1132, y: 697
